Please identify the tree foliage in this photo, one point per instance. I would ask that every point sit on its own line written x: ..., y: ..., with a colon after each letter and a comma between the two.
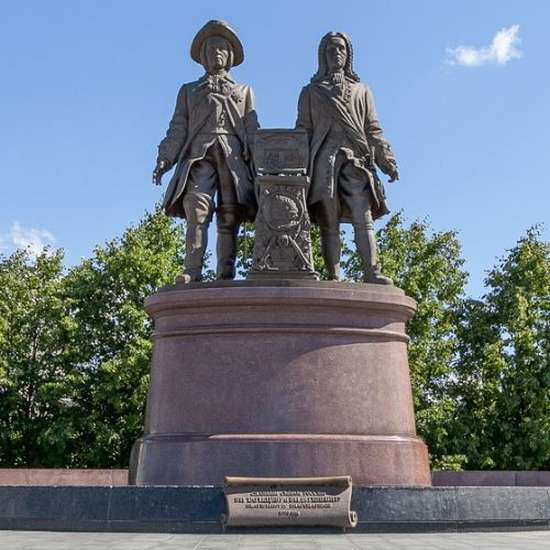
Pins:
x: 75, y: 346
x: 36, y: 332
x: 502, y: 383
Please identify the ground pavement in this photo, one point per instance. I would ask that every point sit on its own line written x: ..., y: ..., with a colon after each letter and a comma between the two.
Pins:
x: 40, y: 540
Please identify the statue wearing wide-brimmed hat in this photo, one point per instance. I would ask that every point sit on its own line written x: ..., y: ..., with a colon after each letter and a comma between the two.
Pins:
x: 208, y: 140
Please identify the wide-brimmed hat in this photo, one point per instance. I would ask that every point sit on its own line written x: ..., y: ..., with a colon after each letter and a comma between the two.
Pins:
x: 217, y: 28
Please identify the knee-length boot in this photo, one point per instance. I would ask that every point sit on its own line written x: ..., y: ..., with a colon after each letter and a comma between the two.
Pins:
x: 365, y: 241
x: 331, y: 250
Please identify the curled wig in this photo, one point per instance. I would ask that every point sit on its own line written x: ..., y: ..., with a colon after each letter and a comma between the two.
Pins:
x: 322, y: 71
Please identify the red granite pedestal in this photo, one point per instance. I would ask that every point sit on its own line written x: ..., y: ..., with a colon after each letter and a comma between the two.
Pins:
x: 280, y: 379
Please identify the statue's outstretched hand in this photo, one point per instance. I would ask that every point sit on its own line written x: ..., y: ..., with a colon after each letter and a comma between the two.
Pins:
x: 161, y: 167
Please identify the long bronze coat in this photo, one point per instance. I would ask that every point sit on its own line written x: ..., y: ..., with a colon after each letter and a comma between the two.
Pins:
x: 195, y: 127
x: 324, y: 114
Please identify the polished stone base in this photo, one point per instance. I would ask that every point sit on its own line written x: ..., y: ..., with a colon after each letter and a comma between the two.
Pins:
x: 280, y: 379
x: 200, y: 509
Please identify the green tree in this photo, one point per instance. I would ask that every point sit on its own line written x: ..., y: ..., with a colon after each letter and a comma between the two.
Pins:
x: 75, y: 348
x: 36, y: 331
x: 245, y: 250
x: 503, y: 372
x: 106, y: 293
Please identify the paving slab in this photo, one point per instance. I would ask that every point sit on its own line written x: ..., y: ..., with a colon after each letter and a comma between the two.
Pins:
x: 47, y: 540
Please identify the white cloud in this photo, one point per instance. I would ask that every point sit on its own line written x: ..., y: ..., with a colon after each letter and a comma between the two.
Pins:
x: 503, y: 48
x: 29, y: 238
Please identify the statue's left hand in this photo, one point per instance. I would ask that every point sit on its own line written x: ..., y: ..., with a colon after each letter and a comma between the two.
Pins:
x: 389, y: 167
x: 385, y: 159
x: 161, y: 167
x: 393, y: 173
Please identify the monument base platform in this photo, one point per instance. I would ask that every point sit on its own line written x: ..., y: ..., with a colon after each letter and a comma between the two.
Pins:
x: 280, y: 379
x: 201, y: 459
x: 200, y: 509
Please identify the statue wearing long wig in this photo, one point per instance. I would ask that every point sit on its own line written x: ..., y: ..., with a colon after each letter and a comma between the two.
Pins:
x: 323, y: 72
x: 346, y: 145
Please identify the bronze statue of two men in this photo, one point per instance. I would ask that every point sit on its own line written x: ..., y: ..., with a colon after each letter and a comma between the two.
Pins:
x: 210, y: 138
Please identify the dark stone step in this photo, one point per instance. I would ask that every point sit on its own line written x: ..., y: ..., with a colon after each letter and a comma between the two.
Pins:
x: 199, y: 509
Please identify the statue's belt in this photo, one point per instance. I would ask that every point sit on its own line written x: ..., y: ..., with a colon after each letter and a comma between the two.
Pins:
x: 222, y: 132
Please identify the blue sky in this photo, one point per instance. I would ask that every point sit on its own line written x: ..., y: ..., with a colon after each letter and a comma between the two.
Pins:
x: 88, y: 89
